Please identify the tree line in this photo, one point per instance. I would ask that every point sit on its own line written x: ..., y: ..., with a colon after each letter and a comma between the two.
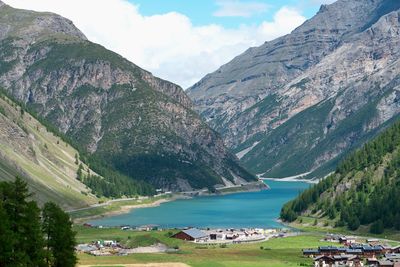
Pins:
x: 373, y: 198
x: 30, y: 236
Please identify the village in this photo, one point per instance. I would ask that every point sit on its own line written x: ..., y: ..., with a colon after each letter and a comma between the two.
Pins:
x: 354, y: 251
x: 198, y: 236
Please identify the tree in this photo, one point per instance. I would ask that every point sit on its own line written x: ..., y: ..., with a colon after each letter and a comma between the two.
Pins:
x: 60, y: 239
x: 354, y: 223
x: 7, y: 238
x: 34, y: 240
x: 22, y: 218
x: 377, y: 227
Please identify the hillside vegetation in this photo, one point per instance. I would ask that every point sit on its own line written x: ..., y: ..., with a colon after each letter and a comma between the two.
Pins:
x: 49, y: 165
x: 364, y: 190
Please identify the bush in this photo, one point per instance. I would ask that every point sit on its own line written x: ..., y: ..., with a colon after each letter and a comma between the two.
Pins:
x: 377, y: 227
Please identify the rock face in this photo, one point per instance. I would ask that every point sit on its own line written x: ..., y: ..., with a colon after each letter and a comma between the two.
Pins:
x: 299, y: 103
x: 120, y: 115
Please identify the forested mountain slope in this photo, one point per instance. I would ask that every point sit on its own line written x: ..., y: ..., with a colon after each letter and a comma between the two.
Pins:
x: 299, y: 103
x: 364, y: 190
x: 126, y: 121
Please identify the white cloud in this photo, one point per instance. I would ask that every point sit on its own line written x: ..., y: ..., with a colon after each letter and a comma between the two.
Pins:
x: 322, y: 2
x: 168, y: 45
x: 236, y: 8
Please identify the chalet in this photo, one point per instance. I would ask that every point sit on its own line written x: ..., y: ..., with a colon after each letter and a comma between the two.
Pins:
x: 323, y: 261
x: 310, y: 252
x: 328, y: 251
x: 372, y: 251
x: 347, y: 260
x: 395, y: 249
x: 192, y: 234
x: 338, y: 260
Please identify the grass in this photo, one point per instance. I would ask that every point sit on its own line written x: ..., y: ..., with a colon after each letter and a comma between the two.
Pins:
x: 113, y: 207
x: 307, y: 224
x: 275, y: 252
x: 43, y: 159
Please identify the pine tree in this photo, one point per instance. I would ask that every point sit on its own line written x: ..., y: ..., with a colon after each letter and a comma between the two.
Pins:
x: 60, y: 239
x: 34, y: 241
x: 7, y: 238
x: 24, y: 223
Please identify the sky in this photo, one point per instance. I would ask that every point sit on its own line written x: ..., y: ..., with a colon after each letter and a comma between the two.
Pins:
x: 180, y: 40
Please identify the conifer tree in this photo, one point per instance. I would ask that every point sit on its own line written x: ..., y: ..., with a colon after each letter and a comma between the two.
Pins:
x: 60, y: 238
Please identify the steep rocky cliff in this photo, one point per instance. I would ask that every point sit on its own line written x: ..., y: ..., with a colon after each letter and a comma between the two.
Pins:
x: 120, y: 115
x: 297, y: 104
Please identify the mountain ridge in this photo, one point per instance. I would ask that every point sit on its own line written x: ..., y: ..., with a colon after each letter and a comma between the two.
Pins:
x: 260, y: 100
x: 121, y: 116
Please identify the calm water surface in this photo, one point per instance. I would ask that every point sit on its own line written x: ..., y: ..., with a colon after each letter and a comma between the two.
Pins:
x: 253, y: 209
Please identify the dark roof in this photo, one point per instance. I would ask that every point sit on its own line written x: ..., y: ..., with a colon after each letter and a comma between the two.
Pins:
x: 195, y: 233
x: 392, y: 256
x: 385, y: 263
x: 323, y: 257
x: 328, y: 248
x: 344, y: 257
x: 353, y: 251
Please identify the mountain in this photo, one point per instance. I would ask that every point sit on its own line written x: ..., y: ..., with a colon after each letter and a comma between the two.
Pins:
x: 364, y: 190
x: 299, y: 103
x: 125, y: 121
x: 44, y: 160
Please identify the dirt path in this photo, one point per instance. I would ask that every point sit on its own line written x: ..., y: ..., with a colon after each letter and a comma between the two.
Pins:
x: 166, y: 264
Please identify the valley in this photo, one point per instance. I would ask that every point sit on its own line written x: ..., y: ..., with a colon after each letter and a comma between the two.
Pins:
x: 289, y: 147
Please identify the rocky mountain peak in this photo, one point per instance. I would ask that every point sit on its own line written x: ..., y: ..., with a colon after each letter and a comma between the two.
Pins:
x: 291, y: 98
x: 121, y: 115
x: 35, y: 26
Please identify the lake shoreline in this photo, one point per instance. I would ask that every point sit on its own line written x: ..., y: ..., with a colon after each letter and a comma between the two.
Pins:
x: 257, y: 209
x: 124, y: 209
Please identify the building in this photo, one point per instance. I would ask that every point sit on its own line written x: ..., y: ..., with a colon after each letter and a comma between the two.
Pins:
x: 311, y: 252
x: 338, y: 260
x: 192, y: 234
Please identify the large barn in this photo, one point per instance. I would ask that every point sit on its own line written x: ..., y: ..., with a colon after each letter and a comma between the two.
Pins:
x: 193, y: 234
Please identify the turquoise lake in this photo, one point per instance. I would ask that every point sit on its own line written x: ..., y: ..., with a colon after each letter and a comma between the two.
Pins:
x: 250, y: 209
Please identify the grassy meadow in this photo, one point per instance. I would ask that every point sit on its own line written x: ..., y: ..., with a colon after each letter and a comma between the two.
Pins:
x: 275, y: 252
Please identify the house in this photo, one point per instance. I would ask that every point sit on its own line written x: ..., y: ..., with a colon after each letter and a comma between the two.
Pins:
x: 372, y: 251
x: 192, y: 234
x: 324, y: 261
x: 147, y: 228
x: 385, y: 263
x: 328, y: 251
x: 347, y: 260
x: 392, y: 257
x: 352, y: 251
x: 373, y: 262
x: 310, y: 252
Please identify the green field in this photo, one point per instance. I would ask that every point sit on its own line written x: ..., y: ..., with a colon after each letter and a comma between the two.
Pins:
x: 324, y: 225
x: 275, y: 252
x: 113, y: 208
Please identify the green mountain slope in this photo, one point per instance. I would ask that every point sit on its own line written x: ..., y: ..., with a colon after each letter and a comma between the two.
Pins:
x: 364, y: 190
x: 45, y: 161
x: 122, y: 118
